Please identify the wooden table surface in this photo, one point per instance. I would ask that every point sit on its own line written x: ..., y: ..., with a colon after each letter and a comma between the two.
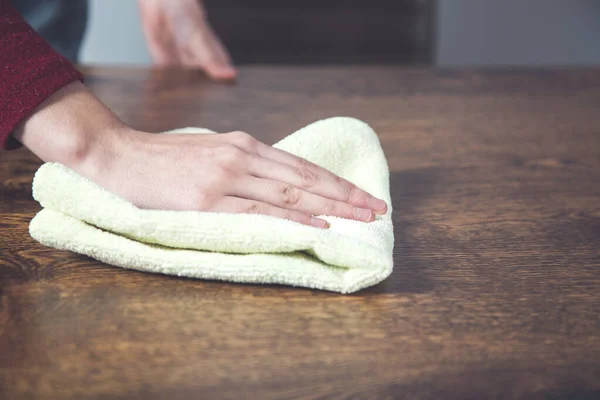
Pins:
x: 495, y: 179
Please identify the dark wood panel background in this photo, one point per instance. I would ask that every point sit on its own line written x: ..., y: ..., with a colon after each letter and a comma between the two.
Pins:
x: 325, y: 31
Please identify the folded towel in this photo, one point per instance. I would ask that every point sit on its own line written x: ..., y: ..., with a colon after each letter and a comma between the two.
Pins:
x: 82, y: 217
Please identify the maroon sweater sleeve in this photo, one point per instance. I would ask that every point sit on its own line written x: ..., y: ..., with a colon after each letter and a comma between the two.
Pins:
x: 30, y: 71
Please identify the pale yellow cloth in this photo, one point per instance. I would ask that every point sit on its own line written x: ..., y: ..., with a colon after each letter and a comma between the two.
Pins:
x: 80, y: 216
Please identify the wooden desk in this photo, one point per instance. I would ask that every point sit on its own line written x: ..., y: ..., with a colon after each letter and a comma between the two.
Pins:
x: 496, y: 288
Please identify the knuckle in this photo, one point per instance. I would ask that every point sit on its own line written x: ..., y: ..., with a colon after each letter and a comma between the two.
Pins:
x: 231, y: 155
x: 201, y: 197
x: 304, y: 163
x: 307, y: 177
x: 238, y: 134
x: 201, y: 201
x: 290, y: 195
x: 330, y: 208
x: 219, y: 176
x: 255, y: 208
x: 349, y: 191
x: 243, y: 139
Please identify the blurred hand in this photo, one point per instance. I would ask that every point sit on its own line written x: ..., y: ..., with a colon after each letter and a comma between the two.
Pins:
x: 178, y: 34
x: 230, y: 172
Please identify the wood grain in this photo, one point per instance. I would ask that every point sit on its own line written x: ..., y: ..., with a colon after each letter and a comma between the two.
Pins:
x: 495, y: 180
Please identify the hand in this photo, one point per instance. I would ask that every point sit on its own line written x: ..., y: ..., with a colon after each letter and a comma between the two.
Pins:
x: 178, y: 34
x: 230, y: 172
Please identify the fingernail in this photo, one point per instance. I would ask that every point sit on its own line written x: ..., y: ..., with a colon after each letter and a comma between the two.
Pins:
x: 377, y: 205
x: 229, y: 71
x: 319, y: 223
x: 363, y: 214
x: 221, y: 72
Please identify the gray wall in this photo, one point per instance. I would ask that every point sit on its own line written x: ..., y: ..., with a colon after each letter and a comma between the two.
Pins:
x: 518, y: 32
x: 470, y: 32
x: 114, y: 34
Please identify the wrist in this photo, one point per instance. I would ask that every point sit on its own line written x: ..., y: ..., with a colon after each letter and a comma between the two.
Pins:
x: 72, y: 127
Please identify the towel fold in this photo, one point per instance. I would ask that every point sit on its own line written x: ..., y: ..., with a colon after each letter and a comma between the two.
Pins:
x: 82, y: 217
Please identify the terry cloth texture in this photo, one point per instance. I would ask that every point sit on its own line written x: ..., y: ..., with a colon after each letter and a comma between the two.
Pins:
x: 82, y: 217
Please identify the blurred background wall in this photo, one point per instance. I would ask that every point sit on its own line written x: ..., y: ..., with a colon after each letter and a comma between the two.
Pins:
x: 444, y: 33
x: 518, y: 32
x: 114, y: 34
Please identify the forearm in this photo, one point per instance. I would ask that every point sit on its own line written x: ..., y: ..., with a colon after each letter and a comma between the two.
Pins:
x: 72, y: 127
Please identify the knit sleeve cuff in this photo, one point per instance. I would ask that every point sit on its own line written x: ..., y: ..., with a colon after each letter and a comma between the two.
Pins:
x: 30, y: 72
x: 20, y: 106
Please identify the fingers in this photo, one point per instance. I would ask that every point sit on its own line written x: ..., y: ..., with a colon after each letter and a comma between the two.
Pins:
x: 220, y: 72
x: 178, y: 33
x: 289, y: 197
x: 206, y: 51
x: 159, y: 37
x: 308, y: 176
x: 162, y: 55
x: 232, y: 204
x: 226, y: 70
x: 311, y: 179
x: 217, y: 62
